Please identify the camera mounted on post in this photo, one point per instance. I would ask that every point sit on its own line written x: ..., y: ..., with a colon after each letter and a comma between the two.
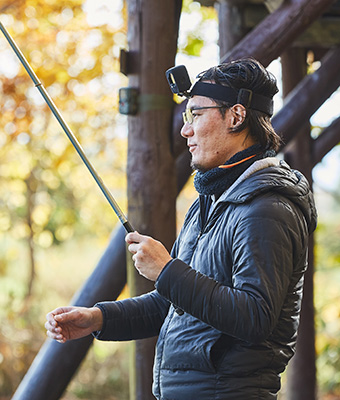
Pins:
x: 180, y: 84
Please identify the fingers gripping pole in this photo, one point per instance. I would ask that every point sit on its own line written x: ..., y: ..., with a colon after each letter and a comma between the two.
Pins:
x: 67, y: 130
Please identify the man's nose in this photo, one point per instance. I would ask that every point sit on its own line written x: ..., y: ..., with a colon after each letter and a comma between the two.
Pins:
x: 187, y: 130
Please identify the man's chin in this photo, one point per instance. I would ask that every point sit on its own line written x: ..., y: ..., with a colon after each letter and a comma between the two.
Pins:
x: 197, y: 167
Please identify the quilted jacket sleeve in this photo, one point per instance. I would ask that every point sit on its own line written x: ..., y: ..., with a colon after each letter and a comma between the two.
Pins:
x: 131, y: 319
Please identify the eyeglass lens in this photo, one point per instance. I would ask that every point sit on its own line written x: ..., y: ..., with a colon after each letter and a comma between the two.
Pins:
x: 187, y: 116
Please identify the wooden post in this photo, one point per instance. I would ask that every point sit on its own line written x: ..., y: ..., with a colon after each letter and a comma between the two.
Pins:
x: 328, y: 139
x: 278, y: 30
x: 308, y: 96
x: 152, y: 34
x: 301, y: 371
x: 230, y: 25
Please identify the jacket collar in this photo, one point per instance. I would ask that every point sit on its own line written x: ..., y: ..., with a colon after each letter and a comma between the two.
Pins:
x: 255, y: 167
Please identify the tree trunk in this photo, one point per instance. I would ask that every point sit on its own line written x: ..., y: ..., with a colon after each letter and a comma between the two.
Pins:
x: 152, y: 37
x: 301, y: 371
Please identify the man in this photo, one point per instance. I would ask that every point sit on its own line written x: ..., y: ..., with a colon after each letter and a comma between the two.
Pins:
x: 227, y: 300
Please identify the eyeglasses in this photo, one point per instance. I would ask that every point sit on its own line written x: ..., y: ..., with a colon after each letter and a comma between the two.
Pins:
x: 188, y: 116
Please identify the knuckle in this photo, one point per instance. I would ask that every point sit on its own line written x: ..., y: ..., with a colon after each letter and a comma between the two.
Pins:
x: 143, y: 249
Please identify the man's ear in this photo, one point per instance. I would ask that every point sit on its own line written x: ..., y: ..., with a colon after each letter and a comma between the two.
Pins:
x: 238, y: 114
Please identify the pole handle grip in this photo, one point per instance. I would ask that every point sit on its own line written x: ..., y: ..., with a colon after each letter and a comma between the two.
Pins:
x: 128, y: 227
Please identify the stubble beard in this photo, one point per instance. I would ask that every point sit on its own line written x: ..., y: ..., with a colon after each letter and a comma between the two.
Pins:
x: 197, y: 167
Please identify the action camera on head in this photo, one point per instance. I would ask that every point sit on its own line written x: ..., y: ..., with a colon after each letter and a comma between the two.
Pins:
x: 180, y: 84
x: 179, y: 80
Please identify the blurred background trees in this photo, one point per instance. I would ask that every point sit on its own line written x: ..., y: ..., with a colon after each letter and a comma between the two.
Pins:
x: 54, y: 222
x: 43, y: 202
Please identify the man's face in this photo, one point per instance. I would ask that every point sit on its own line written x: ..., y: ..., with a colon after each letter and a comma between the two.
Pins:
x: 209, y: 139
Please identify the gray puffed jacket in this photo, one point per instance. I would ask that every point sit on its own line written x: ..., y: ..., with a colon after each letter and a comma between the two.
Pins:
x: 226, y: 308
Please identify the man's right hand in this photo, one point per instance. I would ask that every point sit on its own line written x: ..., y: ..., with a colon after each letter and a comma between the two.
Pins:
x: 67, y: 323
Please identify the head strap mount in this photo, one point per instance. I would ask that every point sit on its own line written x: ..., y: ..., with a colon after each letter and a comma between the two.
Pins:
x: 246, y: 97
x: 180, y: 84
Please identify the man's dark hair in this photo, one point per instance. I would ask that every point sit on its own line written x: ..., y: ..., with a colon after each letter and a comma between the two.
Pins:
x: 248, y: 74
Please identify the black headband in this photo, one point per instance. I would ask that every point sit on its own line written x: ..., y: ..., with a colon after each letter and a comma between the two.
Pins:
x: 246, y: 97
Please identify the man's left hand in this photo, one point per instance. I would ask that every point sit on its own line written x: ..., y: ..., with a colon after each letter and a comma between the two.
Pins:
x: 149, y: 255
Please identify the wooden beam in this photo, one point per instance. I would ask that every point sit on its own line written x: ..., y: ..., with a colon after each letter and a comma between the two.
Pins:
x: 301, y: 372
x: 238, y: 2
x: 278, y: 30
x: 325, y: 32
x: 328, y: 139
x: 308, y: 96
x: 56, y: 363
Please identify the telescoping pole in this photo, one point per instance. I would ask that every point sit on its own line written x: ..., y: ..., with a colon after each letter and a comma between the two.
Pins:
x: 68, y: 131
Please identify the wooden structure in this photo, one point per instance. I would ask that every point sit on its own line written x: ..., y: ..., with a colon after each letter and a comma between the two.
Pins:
x: 151, y: 180
x: 265, y: 29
